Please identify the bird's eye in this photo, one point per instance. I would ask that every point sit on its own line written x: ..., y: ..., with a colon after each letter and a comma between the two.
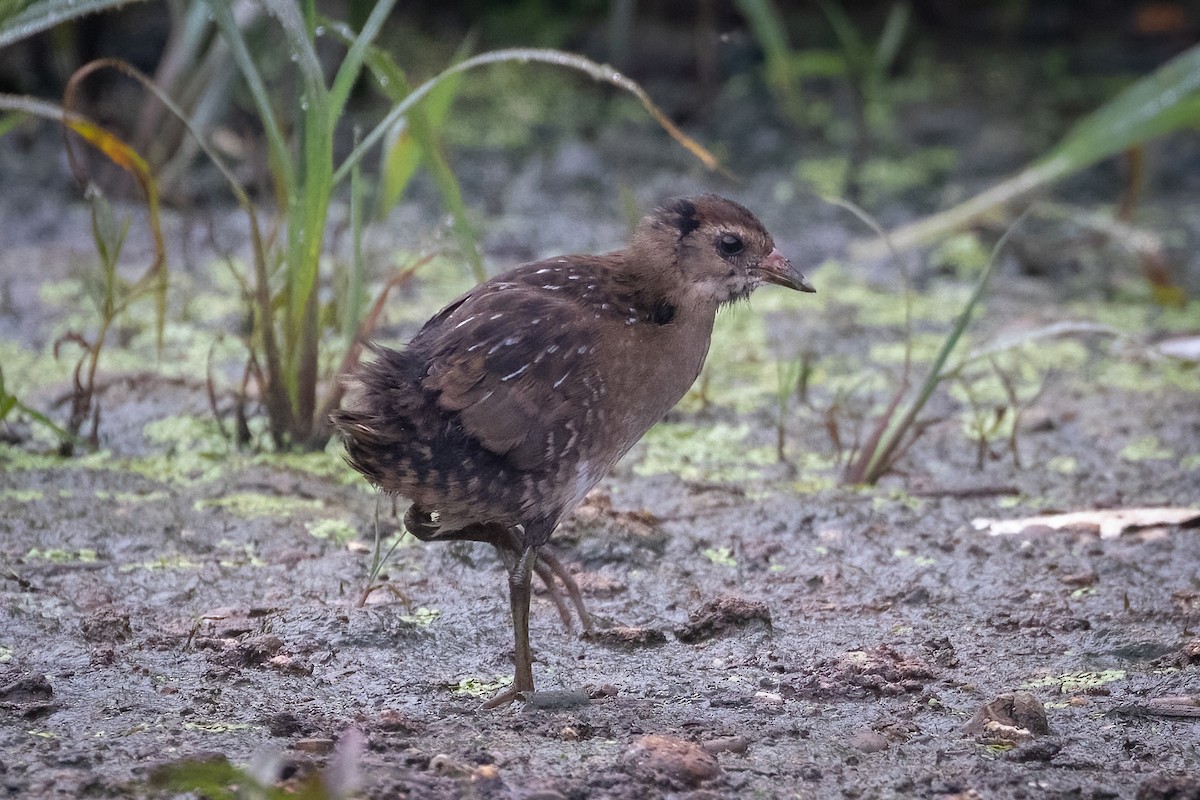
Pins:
x: 730, y: 245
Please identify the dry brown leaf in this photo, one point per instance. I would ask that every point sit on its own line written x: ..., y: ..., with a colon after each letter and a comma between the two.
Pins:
x: 1110, y: 522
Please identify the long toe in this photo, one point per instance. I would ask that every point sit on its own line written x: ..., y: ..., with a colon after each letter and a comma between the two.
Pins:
x: 504, y: 698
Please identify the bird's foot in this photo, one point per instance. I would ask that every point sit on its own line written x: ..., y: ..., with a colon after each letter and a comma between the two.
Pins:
x: 505, y: 697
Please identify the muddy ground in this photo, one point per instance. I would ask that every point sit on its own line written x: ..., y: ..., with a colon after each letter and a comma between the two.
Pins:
x: 763, y: 632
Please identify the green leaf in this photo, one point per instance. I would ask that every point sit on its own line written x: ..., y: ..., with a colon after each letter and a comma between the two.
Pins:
x: 21, y: 20
x: 1159, y: 103
x: 771, y: 34
x: 351, y: 65
x: 1164, y: 101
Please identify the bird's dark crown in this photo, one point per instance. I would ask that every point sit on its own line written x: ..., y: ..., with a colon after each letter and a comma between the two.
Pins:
x: 698, y: 250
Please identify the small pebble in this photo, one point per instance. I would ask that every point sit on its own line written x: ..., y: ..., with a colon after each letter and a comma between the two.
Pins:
x: 443, y: 764
x: 674, y: 760
x: 557, y: 699
x: 626, y: 636
x: 726, y: 744
x: 1012, y: 718
x: 869, y: 741
x: 487, y: 778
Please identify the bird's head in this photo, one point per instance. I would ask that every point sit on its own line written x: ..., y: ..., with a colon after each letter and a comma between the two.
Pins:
x: 713, y: 250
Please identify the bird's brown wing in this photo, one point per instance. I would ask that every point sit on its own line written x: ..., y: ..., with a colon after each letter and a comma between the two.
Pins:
x: 516, y: 365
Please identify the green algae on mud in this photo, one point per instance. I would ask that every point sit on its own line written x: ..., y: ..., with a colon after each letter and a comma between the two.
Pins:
x: 251, y: 504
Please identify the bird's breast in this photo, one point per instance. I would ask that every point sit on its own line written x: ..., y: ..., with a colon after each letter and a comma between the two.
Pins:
x: 647, y: 368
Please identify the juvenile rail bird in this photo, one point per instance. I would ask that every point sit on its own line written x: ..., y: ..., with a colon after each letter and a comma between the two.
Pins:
x: 513, y: 401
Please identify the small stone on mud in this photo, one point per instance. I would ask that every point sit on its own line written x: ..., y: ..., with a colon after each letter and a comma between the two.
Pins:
x: 666, y: 759
x: 626, y: 636
x: 1170, y: 787
x: 557, y: 699
x: 253, y: 651
x: 289, y: 665
x: 442, y: 764
x: 1086, y: 578
x: 1173, y: 706
x: 486, y: 777
x: 869, y: 741
x: 30, y: 697
x: 315, y: 745
x: 106, y: 626
x: 882, y: 672
x: 392, y: 721
x: 1011, y: 718
x: 768, y: 699
x: 720, y: 616
x: 220, y: 613
x: 726, y: 744
x: 284, y: 723
x: 1035, y: 750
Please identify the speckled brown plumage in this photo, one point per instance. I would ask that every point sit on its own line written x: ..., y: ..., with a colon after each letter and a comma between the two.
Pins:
x: 512, y: 402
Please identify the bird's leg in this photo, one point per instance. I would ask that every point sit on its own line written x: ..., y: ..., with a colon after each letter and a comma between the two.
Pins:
x: 549, y: 561
x: 518, y: 597
x: 547, y: 566
x: 547, y: 573
x: 508, y: 545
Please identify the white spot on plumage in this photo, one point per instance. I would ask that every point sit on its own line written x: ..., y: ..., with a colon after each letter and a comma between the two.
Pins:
x: 512, y: 375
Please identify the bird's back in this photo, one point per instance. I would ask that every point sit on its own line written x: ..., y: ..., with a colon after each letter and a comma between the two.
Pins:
x: 514, y: 400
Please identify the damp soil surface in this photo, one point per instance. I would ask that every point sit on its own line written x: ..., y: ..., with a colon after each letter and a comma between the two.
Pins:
x: 760, y: 631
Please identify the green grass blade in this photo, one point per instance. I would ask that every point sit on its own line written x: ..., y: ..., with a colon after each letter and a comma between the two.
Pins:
x: 39, y: 16
x: 300, y: 45
x: 855, y: 50
x: 1159, y: 103
x: 901, y: 426
x: 351, y: 65
x: 892, y: 37
x: 1164, y: 101
x: 231, y: 31
x: 307, y: 201
x: 418, y: 142
x: 355, y: 303
x: 9, y: 402
x: 415, y: 134
x: 600, y: 72
x: 771, y: 34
